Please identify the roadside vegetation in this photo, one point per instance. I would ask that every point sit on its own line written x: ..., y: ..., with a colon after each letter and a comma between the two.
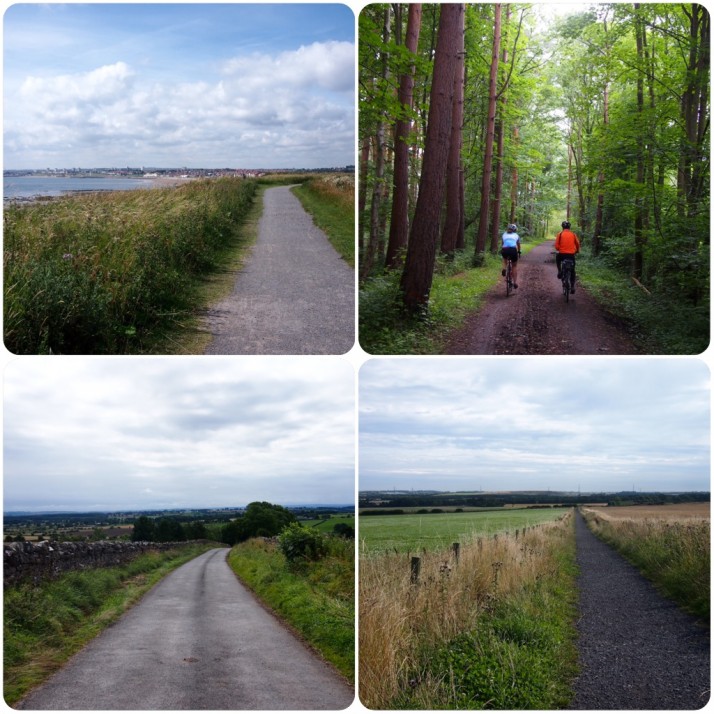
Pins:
x: 433, y: 529
x: 46, y: 623
x: 330, y: 200
x: 671, y: 550
x: 115, y: 273
x: 492, y: 629
x: 308, y: 580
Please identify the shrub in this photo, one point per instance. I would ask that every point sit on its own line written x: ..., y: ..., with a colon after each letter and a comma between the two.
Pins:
x: 298, y: 543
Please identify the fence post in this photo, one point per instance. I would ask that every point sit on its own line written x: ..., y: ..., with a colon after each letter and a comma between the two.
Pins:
x: 456, y: 547
x: 415, y: 568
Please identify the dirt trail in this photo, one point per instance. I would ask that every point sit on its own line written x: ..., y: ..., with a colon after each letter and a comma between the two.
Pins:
x: 198, y: 640
x: 295, y: 294
x: 536, y: 320
x: 637, y: 649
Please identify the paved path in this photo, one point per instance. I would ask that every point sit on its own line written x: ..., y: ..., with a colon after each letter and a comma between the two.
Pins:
x: 295, y: 294
x: 637, y: 649
x: 198, y: 640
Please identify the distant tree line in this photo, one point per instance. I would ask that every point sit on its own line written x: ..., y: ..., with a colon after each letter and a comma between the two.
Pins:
x: 545, y: 499
x: 167, y: 530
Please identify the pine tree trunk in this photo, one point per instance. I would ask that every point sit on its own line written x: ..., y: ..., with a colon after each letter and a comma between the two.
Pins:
x: 454, y: 195
x: 424, y: 235
x: 482, y: 233
x: 399, y: 226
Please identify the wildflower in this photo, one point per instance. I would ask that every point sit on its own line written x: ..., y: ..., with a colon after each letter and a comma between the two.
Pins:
x: 67, y: 256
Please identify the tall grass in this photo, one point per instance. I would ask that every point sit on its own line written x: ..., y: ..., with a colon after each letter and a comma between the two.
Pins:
x: 493, y: 630
x: 673, y: 553
x: 330, y: 199
x: 316, y: 598
x: 102, y: 273
x: 45, y: 624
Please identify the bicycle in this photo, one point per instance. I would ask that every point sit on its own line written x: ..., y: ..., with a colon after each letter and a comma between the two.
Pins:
x: 567, y: 267
x: 509, y: 277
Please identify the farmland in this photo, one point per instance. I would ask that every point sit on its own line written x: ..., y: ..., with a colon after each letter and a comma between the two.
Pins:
x: 672, y: 511
x: 431, y: 531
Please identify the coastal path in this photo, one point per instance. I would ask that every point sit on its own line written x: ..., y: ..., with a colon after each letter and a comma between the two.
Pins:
x: 295, y: 294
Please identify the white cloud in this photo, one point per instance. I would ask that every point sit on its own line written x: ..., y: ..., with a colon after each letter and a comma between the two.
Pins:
x: 291, y: 109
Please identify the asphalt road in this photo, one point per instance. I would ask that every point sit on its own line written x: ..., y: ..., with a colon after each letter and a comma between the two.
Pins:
x: 198, y: 640
x: 638, y: 650
x: 295, y: 294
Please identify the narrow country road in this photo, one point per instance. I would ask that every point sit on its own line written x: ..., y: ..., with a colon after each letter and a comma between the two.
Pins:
x: 637, y: 649
x: 536, y: 320
x: 295, y: 294
x: 198, y: 640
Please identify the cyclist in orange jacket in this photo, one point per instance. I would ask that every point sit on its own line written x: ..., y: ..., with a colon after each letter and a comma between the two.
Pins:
x: 566, y: 245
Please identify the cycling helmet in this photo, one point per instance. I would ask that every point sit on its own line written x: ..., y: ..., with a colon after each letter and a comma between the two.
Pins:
x: 565, y: 224
x: 512, y: 228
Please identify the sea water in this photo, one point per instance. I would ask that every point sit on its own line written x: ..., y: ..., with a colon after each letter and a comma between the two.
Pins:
x: 30, y: 186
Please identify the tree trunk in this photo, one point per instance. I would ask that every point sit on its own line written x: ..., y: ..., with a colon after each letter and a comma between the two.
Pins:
x: 514, y: 182
x: 490, y: 130
x: 638, y: 260
x: 450, y: 237
x: 500, y: 131
x: 399, y: 226
x: 424, y: 235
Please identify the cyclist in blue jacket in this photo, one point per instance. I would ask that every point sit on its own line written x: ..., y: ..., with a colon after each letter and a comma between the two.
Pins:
x: 511, y: 248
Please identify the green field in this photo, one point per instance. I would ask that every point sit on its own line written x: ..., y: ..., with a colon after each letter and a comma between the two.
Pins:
x: 413, y: 531
x: 327, y: 525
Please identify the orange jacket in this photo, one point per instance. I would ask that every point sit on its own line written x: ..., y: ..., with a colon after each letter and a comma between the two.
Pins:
x: 567, y: 242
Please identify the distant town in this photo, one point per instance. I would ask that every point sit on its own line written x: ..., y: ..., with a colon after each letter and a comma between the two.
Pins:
x: 154, y: 172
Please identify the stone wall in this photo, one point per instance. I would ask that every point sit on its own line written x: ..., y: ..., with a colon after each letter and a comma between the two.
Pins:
x: 46, y: 559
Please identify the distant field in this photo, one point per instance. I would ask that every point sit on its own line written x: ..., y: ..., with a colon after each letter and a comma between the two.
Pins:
x: 326, y: 526
x: 672, y: 510
x: 431, y: 531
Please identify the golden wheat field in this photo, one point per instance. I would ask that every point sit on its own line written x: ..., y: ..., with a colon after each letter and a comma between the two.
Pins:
x: 671, y: 511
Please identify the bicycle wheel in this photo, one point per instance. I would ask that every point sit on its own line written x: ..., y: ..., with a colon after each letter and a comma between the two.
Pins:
x: 566, y: 281
x: 509, y: 279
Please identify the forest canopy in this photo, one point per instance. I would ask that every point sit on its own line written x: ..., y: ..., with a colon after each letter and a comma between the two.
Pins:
x: 472, y: 117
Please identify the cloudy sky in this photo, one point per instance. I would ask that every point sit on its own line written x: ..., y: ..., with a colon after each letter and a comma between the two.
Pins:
x: 196, y: 85
x: 510, y: 424
x: 136, y: 433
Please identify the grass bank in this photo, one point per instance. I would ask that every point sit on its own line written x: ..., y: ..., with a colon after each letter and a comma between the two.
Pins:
x: 494, y: 629
x: 315, y: 598
x: 113, y: 273
x: 673, y: 553
x: 45, y: 625
x: 330, y: 200
x: 657, y: 322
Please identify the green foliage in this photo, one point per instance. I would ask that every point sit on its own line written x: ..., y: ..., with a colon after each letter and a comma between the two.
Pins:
x: 317, y: 599
x: 45, y: 624
x: 298, y: 543
x: 143, y: 529
x: 260, y: 519
x: 456, y: 291
x: 106, y: 273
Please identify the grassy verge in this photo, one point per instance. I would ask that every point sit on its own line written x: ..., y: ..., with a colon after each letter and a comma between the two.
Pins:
x: 457, y: 290
x: 316, y: 598
x: 658, y: 323
x: 111, y: 273
x: 45, y: 625
x: 493, y: 630
x: 674, y: 554
x: 330, y: 200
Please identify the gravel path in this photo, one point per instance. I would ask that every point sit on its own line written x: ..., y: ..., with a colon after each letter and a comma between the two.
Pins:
x: 295, y: 294
x: 536, y: 320
x: 197, y: 640
x: 637, y: 649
